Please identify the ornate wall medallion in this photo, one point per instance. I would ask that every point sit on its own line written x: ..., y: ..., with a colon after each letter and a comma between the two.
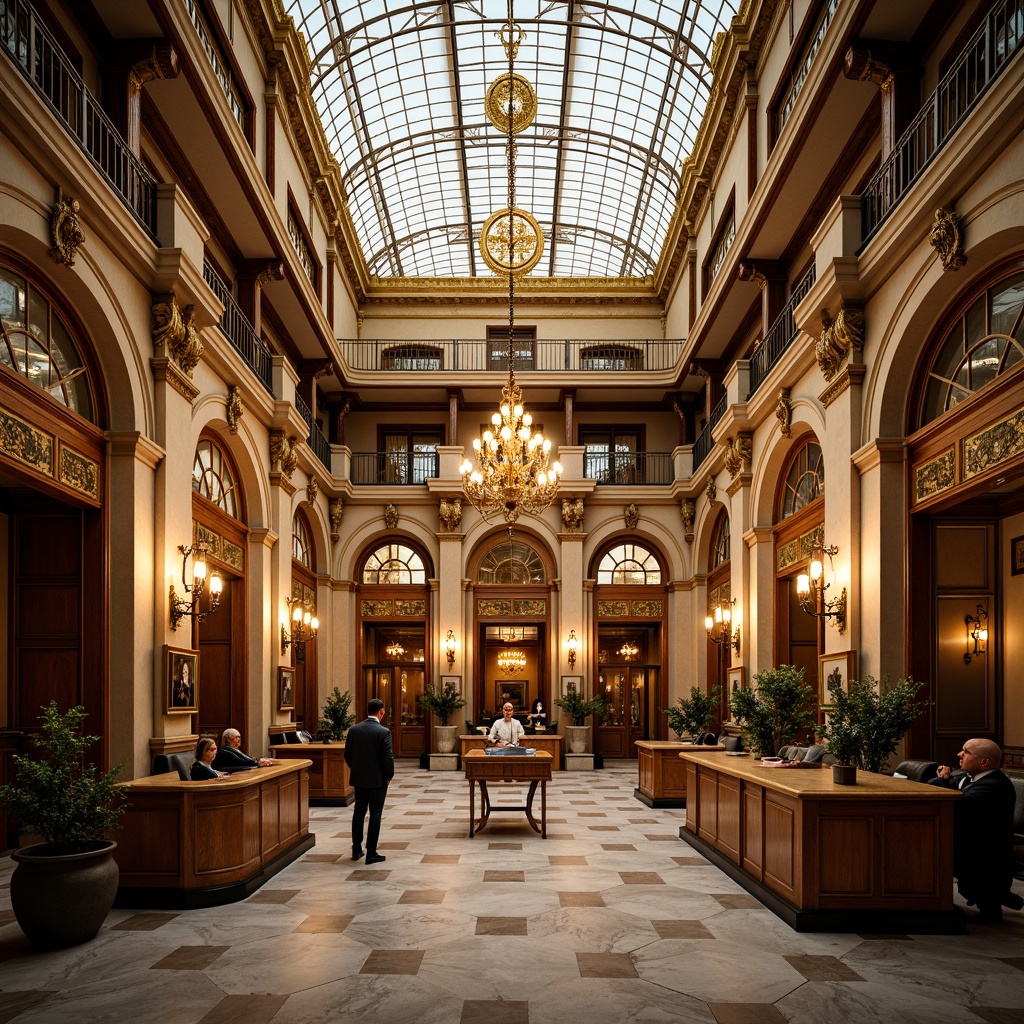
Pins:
x: 449, y: 514
x: 631, y: 516
x: 527, y: 243
x: 390, y: 516
x: 572, y: 514
x: 524, y: 103
x: 65, y: 230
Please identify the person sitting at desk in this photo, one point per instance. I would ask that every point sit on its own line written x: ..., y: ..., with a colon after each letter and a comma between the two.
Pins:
x: 538, y: 713
x: 506, y: 731
x: 206, y: 751
x: 231, y: 758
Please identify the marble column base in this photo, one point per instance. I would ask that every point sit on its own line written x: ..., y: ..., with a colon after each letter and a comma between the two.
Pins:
x: 579, y: 762
x: 444, y: 762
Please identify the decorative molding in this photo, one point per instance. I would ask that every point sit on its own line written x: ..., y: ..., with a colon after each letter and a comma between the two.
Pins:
x: 935, y: 476
x: 946, y: 238
x: 743, y: 480
x: 65, y: 229
x: 784, y: 412
x: 572, y: 514
x: 25, y: 444
x: 631, y: 516
x: 995, y: 444
x: 850, y: 376
x: 838, y: 337
x: 312, y: 490
x: 163, y: 369
x: 174, y: 331
x: 336, y: 512
x: 737, y: 453
x: 284, y: 452
x: 687, y: 512
x: 711, y: 491
x: 235, y: 407
x: 390, y: 515
x: 449, y: 514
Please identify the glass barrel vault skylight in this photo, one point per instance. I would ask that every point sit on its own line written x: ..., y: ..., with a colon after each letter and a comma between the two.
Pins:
x: 621, y: 90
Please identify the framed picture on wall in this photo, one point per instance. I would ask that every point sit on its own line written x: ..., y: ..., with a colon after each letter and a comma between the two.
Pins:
x: 737, y: 679
x: 510, y: 690
x: 454, y: 681
x: 1017, y: 556
x: 838, y: 668
x: 572, y: 684
x: 285, y: 688
x: 181, y: 675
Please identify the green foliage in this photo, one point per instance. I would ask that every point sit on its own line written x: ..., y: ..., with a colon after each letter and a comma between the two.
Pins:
x: 580, y: 708
x: 57, y: 794
x: 443, y: 702
x: 772, y: 714
x: 868, y: 721
x: 694, y: 716
x: 336, y: 718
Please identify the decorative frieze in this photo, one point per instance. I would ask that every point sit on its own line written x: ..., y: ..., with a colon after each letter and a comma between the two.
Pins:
x: 997, y: 443
x: 24, y: 443
x: 79, y: 473
x: 490, y: 606
x: 411, y: 607
x: 935, y: 476
x: 370, y: 609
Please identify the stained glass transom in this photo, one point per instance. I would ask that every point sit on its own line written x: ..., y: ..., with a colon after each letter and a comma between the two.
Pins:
x: 629, y: 564
x: 394, y: 563
x: 514, y: 563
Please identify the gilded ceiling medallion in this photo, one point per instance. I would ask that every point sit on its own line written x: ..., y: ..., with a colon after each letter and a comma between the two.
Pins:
x: 524, y: 103
x: 524, y: 249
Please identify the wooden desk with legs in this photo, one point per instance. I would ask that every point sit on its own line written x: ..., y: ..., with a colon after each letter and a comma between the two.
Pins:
x: 504, y: 768
x: 548, y: 742
x: 328, y: 774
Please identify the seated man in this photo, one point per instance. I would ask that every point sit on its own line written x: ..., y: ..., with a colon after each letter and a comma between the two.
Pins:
x: 506, y: 731
x: 231, y: 758
x: 982, y: 829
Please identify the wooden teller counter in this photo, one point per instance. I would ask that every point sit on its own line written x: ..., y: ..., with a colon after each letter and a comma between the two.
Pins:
x: 202, y: 844
x: 873, y: 857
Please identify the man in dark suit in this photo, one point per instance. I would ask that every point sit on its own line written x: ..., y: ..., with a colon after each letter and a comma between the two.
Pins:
x: 371, y: 763
x: 982, y: 829
x: 230, y: 756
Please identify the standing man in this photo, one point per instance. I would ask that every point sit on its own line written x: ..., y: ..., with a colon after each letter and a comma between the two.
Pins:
x: 371, y: 763
x: 507, y: 731
x: 982, y: 829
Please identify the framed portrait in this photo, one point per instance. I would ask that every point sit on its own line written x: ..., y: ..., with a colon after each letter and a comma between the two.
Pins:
x: 285, y: 688
x: 456, y: 682
x: 737, y: 679
x: 513, y: 690
x: 181, y: 680
x: 1017, y: 556
x: 572, y: 684
x: 835, y: 668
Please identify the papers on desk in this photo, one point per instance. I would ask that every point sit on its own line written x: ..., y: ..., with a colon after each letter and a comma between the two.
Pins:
x: 518, y: 751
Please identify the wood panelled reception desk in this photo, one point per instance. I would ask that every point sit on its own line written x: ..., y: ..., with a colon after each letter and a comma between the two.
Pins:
x: 873, y: 857
x: 328, y: 775
x: 201, y: 844
x: 546, y: 743
x: 662, y: 781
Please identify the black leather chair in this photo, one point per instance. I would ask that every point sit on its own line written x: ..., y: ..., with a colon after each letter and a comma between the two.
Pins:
x: 180, y: 763
x: 918, y: 770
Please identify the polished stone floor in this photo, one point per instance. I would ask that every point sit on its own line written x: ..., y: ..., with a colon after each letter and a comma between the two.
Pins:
x: 611, y: 919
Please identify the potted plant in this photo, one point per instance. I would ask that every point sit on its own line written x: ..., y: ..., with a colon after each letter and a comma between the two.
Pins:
x: 336, y: 719
x: 776, y: 710
x: 63, y: 888
x: 694, y: 716
x: 841, y: 733
x: 579, y: 709
x: 443, y: 701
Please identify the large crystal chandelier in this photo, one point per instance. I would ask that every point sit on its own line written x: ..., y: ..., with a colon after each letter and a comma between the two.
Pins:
x: 513, y: 475
x: 511, y: 660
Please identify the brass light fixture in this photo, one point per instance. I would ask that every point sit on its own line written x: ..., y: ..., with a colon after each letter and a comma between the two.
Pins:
x: 394, y: 650
x: 304, y: 626
x: 514, y: 475
x: 719, y: 625
x: 449, y: 648
x: 810, y: 589
x: 180, y: 607
x: 628, y: 650
x: 977, y: 634
x: 572, y: 643
x: 512, y: 659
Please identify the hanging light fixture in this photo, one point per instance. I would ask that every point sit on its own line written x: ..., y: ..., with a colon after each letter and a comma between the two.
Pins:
x: 629, y: 650
x: 512, y: 659
x: 514, y: 475
x: 394, y: 650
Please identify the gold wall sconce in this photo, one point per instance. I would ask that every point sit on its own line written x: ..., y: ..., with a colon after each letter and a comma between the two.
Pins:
x: 977, y: 634
x: 449, y: 648
x: 810, y: 589
x: 571, y: 644
x: 719, y: 626
x: 189, y: 605
x: 304, y: 626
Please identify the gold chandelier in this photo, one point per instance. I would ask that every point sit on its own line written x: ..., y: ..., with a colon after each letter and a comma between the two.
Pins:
x: 512, y: 660
x: 514, y: 475
x: 394, y: 650
x: 629, y: 650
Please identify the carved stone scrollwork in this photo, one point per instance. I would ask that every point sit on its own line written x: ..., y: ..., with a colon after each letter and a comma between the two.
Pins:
x: 390, y: 516
x: 284, y: 453
x: 687, y: 512
x: 737, y: 455
x: 235, y: 407
x: 631, y: 516
x: 838, y: 337
x: 572, y: 514
x: 175, y: 329
x: 449, y: 514
x: 336, y: 512
x: 784, y: 412
x: 947, y: 239
x: 711, y: 491
x: 65, y: 230
x: 312, y: 490
x: 748, y: 270
x: 861, y: 65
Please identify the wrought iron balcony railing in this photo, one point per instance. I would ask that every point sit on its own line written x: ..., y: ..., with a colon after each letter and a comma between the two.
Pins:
x: 315, y: 438
x: 780, y: 335
x: 391, y: 468
x: 628, y: 468
x: 237, y: 329
x: 705, y: 442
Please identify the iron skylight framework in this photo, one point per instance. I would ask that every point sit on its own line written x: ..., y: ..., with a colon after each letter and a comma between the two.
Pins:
x: 621, y: 90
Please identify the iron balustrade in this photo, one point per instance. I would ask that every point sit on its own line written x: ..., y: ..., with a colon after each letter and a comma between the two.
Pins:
x: 705, y: 442
x: 237, y: 329
x: 39, y: 56
x: 626, y: 468
x: 780, y: 335
x: 984, y: 58
x: 396, y: 467
x: 318, y: 444
x: 803, y: 69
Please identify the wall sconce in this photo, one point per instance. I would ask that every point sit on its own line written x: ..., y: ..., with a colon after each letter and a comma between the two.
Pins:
x: 180, y: 607
x: 811, y: 590
x: 719, y: 626
x: 304, y: 626
x: 572, y: 643
x: 977, y: 634
x: 449, y: 648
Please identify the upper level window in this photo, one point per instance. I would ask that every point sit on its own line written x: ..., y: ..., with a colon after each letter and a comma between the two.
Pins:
x: 410, y: 455
x: 723, y: 243
x: 394, y: 563
x: 514, y: 563
x: 805, y: 480
x: 221, y: 68
x: 36, y: 343
x: 212, y: 477
x: 611, y: 357
x: 983, y: 344
x: 720, y: 550
x: 524, y: 344
x: 297, y: 233
x: 630, y: 564
x: 411, y: 357
x: 610, y: 454
x: 302, y: 543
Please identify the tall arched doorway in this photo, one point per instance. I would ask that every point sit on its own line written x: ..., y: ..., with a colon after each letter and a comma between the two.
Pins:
x: 303, y: 595
x: 720, y: 605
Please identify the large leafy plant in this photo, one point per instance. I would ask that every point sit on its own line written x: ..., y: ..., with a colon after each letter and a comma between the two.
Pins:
x: 578, y: 707
x: 335, y: 715
x: 772, y: 714
x: 57, y: 793
x: 694, y: 716
x: 442, y: 701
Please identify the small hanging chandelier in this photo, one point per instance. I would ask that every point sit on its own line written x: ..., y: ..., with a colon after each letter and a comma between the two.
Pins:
x: 511, y: 660
x: 514, y: 475
x: 629, y: 651
x: 394, y: 650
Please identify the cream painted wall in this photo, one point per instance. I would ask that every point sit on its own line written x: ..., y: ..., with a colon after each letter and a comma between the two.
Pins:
x: 1011, y: 626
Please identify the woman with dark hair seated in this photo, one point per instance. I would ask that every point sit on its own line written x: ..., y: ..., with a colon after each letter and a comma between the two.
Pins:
x: 202, y: 768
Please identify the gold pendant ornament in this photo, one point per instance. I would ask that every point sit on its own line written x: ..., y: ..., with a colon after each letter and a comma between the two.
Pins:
x: 523, y: 103
x: 511, y: 244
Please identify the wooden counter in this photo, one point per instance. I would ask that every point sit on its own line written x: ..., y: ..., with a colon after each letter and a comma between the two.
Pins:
x: 873, y: 857
x: 329, y: 784
x: 544, y: 742
x: 529, y: 769
x: 201, y: 844
x: 662, y: 781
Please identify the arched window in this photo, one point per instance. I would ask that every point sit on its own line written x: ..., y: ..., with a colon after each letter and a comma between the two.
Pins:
x: 805, y: 480
x: 35, y: 342
x: 983, y: 344
x: 514, y: 563
x: 212, y: 477
x: 720, y: 548
x: 302, y: 543
x: 394, y: 563
x: 631, y: 564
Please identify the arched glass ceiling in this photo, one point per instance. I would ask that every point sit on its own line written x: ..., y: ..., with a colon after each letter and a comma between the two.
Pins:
x: 621, y: 89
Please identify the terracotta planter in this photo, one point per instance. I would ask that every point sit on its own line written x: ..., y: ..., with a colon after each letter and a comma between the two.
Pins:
x: 445, y: 736
x: 844, y: 774
x: 63, y: 900
x: 576, y: 736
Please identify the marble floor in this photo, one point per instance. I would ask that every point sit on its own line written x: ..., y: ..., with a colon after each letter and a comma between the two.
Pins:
x: 611, y: 919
